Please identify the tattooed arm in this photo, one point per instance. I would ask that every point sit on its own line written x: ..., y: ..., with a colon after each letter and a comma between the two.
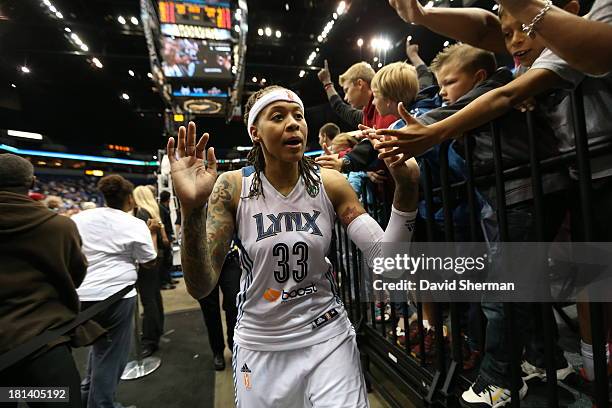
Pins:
x: 342, y: 196
x: 207, y: 235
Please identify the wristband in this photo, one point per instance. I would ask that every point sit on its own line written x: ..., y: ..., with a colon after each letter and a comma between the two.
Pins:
x: 327, y: 85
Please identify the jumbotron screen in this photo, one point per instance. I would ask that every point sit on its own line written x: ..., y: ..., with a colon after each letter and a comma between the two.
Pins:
x: 210, y: 13
x: 201, y: 59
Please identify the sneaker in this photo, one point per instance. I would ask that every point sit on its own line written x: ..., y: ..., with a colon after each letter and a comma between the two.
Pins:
x: 530, y: 371
x: 483, y: 395
x: 218, y: 362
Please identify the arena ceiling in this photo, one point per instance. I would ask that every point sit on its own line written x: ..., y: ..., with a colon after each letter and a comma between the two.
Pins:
x: 76, y: 104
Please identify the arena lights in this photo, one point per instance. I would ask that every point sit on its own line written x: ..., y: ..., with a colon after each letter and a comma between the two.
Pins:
x: 13, y: 86
x: 263, y: 81
x: 254, y: 79
x: 446, y: 43
x: 278, y: 34
x: 134, y: 20
x: 97, y: 63
x: 125, y: 96
x: 24, y: 135
x: 375, y: 59
x: 68, y: 30
x: 381, y: 44
x: 340, y: 10
x: 360, y: 42
x: 81, y: 157
x: 25, y: 69
x: 121, y: 20
x: 131, y: 73
x: 495, y: 7
x: 84, y: 47
x: 268, y: 31
x: 150, y: 75
x: 260, y: 31
x: 59, y: 15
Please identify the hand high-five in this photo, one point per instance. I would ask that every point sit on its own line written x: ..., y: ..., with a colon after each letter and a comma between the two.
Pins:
x: 192, y: 177
x: 410, y: 141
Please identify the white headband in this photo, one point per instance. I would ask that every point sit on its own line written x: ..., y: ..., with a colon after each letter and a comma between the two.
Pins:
x: 284, y: 95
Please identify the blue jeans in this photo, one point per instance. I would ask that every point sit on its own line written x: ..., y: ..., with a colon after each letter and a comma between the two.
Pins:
x: 496, y: 364
x: 108, y: 356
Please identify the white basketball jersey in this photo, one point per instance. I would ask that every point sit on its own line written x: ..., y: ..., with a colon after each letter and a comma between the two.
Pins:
x: 288, y: 298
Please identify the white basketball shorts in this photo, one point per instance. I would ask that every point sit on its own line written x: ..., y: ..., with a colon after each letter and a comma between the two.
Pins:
x: 325, y: 375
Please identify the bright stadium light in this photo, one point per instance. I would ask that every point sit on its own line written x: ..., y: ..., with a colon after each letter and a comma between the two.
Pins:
x: 360, y: 42
x: 25, y: 135
x: 25, y: 69
x: 121, y: 20
x: 134, y: 20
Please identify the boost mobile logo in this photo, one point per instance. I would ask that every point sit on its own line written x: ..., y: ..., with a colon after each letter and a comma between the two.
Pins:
x: 297, y: 293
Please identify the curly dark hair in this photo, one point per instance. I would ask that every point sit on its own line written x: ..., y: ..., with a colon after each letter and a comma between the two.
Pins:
x: 116, y: 190
x: 307, y: 168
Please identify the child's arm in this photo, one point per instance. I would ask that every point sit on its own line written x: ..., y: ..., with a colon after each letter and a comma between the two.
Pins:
x: 474, y: 26
x: 416, y: 138
x: 577, y: 40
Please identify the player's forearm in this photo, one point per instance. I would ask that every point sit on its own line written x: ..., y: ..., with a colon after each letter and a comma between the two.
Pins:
x: 199, y: 273
x: 474, y: 26
x: 406, y: 195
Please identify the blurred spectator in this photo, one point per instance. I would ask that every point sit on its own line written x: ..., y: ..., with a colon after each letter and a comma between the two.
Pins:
x: 114, y: 242
x: 42, y: 264
x: 88, y: 205
x: 54, y: 203
x: 166, y: 264
x: 149, y: 285
x: 327, y: 133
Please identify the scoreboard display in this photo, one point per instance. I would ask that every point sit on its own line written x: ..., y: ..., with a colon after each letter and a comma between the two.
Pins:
x: 204, y: 14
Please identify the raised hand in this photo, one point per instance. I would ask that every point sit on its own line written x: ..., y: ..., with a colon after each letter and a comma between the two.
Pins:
x: 192, y: 177
x: 412, y: 50
x: 411, y: 11
x: 324, y: 74
x: 410, y: 141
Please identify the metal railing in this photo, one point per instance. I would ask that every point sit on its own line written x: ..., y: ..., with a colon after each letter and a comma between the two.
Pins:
x: 417, y: 377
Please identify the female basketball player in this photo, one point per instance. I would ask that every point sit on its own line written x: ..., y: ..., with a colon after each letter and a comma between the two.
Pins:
x: 294, y: 345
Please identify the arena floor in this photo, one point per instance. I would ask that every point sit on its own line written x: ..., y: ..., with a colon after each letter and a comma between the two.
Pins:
x: 186, y: 377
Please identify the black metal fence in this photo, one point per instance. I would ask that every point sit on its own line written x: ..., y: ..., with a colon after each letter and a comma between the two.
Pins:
x: 433, y: 371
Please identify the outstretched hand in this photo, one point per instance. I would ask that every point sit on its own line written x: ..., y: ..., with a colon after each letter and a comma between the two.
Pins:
x: 193, y: 177
x: 401, y: 144
x: 411, y: 11
x: 329, y: 160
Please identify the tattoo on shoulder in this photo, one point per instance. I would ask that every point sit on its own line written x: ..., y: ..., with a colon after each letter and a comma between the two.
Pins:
x: 222, y: 192
x: 349, y: 214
